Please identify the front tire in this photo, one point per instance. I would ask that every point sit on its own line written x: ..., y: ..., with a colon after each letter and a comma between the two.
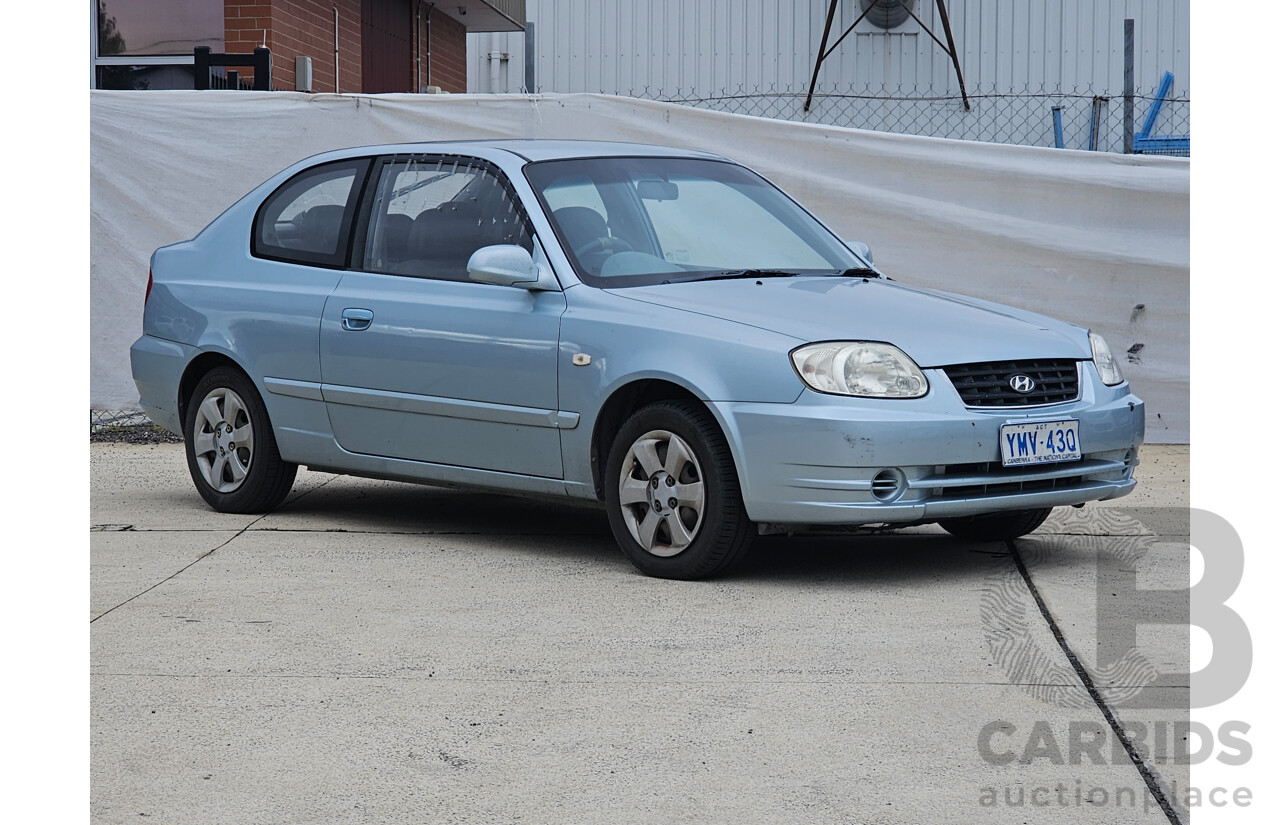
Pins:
x: 672, y: 494
x: 996, y: 527
x: 231, y: 449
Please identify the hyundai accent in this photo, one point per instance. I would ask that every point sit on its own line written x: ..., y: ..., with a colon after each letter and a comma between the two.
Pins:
x: 660, y: 330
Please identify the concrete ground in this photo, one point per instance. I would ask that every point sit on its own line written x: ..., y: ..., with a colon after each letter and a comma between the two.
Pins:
x: 381, y: 652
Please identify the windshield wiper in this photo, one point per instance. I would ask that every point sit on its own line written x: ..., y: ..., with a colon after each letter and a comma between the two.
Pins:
x: 749, y: 273
x: 861, y: 272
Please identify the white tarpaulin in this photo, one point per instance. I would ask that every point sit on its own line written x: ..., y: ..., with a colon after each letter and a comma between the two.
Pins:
x: 1098, y: 239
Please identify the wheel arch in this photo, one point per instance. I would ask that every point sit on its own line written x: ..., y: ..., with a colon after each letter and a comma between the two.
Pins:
x: 623, y: 402
x: 198, y: 368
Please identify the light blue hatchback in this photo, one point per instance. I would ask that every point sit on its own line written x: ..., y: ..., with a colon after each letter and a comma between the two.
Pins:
x: 661, y: 330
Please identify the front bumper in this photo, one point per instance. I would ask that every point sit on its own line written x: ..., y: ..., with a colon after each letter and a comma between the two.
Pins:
x: 835, y: 460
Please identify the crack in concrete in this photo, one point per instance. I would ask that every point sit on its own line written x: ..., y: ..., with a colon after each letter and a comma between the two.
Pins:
x: 203, y: 556
x: 1144, y: 770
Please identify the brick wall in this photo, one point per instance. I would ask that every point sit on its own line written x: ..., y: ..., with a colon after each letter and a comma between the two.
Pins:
x: 305, y: 27
x: 294, y: 28
x: 448, y: 68
x: 245, y: 24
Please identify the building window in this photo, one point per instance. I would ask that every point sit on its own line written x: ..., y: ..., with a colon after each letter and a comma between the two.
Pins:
x: 149, y: 44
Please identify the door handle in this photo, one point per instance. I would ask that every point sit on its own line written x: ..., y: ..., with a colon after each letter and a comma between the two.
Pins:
x: 355, y: 320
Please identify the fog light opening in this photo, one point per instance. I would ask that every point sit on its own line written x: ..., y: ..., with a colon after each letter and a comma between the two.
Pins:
x: 889, y: 484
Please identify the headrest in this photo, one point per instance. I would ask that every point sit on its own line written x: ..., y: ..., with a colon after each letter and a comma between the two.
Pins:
x: 581, y: 225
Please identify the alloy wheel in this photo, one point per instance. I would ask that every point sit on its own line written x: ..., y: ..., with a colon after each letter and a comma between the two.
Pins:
x: 223, y: 440
x: 661, y: 492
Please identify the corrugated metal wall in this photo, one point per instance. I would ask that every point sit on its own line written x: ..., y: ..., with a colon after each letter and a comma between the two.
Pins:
x: 674, y: 49
x: 709, y: 46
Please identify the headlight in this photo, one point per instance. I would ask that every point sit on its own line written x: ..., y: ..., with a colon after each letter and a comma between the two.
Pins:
x: 1108, y: 369
x: 861, y: 368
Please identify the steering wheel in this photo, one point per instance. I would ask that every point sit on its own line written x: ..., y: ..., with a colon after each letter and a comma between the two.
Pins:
x: 603, y: 244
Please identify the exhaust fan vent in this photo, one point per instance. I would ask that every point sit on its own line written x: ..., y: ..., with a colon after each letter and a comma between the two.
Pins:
x: 887, y: 14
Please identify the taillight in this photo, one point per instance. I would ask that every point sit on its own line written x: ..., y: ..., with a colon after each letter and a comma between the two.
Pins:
x: 147, y: 297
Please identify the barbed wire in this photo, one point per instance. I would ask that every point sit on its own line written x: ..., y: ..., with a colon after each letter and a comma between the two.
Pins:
x: 1089, y: 118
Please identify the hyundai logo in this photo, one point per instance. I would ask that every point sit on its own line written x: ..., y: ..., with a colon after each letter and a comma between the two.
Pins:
x: 1022, y: 383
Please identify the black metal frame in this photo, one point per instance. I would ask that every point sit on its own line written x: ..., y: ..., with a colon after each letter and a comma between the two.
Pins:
x: 949, y: 46
x: 260, y: 60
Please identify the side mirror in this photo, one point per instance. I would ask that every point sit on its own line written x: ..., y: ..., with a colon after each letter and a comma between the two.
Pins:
x: 862, y: 251
x: 504, y: 265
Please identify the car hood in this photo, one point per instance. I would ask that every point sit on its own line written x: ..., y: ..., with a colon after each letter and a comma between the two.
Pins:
x: 934, y: 328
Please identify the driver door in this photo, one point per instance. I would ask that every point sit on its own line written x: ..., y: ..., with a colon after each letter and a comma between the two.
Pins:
x: 421, y: 363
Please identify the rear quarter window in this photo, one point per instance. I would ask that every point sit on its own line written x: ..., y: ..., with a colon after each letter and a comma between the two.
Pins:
x: 308, y: 219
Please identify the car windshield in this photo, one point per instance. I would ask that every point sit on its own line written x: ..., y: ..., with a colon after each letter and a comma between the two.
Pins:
x: 629, y: 221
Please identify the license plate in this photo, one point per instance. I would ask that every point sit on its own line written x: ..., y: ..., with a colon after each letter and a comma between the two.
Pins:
x: 1042, y: 442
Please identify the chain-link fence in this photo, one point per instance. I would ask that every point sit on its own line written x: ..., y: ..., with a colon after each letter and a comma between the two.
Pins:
x: 1089, y: 119
x: 130, y: 425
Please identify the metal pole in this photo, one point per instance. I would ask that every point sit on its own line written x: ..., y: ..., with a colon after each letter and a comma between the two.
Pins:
x: 530, y: 59
x: 203, y: 58
x: 93, y: 52
x: 849, y: 31
x: 951, y: 47
x: 430, y: 9
x: 1128, y: 86
x: 261, y: 69
x: 826, y: 32
x: 495, y: 62
x: 1097, y: 120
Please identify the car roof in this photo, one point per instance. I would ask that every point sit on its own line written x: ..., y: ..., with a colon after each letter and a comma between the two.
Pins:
x: 532, y: 149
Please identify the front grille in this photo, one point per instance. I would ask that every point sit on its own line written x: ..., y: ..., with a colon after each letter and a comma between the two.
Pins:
x: 998, y: 480
x: 991, y: 478
x: 988, y: 384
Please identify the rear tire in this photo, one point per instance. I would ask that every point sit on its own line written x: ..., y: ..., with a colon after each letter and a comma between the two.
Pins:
x: 997, y: 526
x: 672, y: 494
x: 231, y: 449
